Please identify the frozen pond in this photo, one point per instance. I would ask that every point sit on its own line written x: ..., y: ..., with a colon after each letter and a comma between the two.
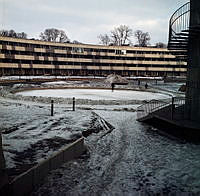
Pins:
x: 95, y: 94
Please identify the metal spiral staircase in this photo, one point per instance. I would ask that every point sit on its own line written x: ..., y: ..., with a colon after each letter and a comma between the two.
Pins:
x: 179, y: 28
x: 179, y: 33
x: 180, y: 115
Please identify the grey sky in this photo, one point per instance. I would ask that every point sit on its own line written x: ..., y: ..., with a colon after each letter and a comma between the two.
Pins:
x: 84, y: 20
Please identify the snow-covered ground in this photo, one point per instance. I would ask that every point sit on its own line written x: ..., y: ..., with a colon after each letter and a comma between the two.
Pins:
x: 29, y: 130
x: 31, y: 134
x: 94, y: 94
x: 131, y: 158
x: 27, y: 126
x: 43, y: 77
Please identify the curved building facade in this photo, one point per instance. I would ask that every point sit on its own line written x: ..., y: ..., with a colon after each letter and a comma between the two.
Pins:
x: 34, y: 57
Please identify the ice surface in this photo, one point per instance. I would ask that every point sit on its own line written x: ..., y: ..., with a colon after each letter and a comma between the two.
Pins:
x: 55, y: 83
x: 95, y: 94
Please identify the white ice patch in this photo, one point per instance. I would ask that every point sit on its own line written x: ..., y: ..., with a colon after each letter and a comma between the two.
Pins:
x: 95, y: 94
x: 55, y: 83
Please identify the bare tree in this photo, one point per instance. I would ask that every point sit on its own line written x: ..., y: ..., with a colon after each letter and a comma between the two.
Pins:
x: 104, y: 39
x: 4, y: 33
x: 54, y: 35
x: 121, y: 35
x: 62, y: 36
x: 12, y: 33
x: 22, y: 35
x: 142, y: 38
x: 49, y: 35
x: 160, y: 45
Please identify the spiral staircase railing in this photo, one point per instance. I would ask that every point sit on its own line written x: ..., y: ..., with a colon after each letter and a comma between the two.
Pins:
x: 179, y: 28
x: 152, y: 106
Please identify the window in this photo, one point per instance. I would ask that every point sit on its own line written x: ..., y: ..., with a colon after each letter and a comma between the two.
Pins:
x: 123, y: 52
x: 78, y: 50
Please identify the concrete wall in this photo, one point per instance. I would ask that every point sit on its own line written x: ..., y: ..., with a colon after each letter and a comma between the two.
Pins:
x: 3, y: 176
x: 193, y: 75
x: 26, y: 182
x: 2, y: 160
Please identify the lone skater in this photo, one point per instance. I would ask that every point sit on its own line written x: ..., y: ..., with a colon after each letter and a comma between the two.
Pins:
x: 113, y: 86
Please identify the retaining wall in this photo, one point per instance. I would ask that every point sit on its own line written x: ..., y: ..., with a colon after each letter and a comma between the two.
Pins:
x: 26, y: 182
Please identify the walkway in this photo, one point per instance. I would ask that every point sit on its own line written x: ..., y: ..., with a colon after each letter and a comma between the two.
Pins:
x: 132, y: 159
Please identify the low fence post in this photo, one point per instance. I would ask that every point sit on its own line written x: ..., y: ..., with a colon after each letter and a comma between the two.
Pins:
x: 52, y: 102
x: 74, y: 103
x: 172, y: 109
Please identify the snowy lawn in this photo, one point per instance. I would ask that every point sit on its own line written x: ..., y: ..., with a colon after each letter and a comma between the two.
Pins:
x: 30, y: 134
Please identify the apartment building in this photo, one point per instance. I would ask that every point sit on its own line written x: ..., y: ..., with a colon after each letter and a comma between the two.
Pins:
x: 35, y: 57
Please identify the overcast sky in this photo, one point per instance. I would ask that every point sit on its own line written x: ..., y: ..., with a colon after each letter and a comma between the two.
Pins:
x: 84, y: 20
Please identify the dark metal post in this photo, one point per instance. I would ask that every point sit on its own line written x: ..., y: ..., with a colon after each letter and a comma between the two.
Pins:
x: 52, y: 107
x: 172, y: 109
x: 74, y: 103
